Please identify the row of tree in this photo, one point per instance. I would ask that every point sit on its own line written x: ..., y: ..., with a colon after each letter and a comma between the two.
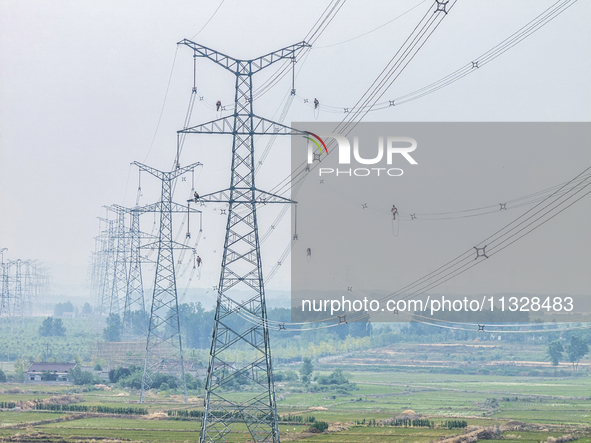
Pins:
x: 574, y: 350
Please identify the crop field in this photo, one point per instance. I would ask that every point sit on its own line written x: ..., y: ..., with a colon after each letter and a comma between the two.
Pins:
x: 537, y: 408
x: 456, y: 389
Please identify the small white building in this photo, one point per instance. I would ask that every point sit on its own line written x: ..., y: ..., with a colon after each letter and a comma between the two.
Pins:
x: 57, y: 371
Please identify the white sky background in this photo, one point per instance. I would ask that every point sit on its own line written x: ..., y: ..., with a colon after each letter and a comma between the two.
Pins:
x: 82, y: 85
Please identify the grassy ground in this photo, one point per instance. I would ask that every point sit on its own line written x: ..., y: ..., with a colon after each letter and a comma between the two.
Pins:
x: 552, y: 406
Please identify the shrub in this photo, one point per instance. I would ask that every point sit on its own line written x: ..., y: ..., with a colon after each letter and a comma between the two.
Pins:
x: 319, y: 426
x: 80, y: 377
x: 117, y: 373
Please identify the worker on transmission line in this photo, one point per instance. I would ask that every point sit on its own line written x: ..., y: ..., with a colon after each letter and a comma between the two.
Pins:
x: 196, y: 196
x: 316, y: 103
x: 198, y: 261
x: 394, y: 212
x: 218, y: 105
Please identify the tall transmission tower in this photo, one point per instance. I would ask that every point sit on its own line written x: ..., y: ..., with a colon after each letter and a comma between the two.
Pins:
x: 120, y: 274
x: 134, y: 298
x: 241, y: 265
x: 22, y: 281
x: 5, y: 294
x: 18, y: 308
x: 128, y: 289
x: 106, y: 262
x: 164, y: 350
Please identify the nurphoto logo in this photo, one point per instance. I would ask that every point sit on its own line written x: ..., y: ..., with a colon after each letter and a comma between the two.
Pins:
x: 394, y: 145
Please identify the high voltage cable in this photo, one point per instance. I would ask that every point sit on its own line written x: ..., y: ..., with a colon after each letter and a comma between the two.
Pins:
x: 313, y: 35
x: 490, y: 240
x: 455, y: 267
x: 520, y: 202
x: 408, y: 50
x: 525, y: 31
x: 374, y: 29
x: 416, y: 38
x: 163, y: 103
x: 210, y: 18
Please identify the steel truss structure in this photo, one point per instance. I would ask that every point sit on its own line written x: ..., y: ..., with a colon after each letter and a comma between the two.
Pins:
x: 164, y: 350
x: 241, y: 266
x: 21, y: 285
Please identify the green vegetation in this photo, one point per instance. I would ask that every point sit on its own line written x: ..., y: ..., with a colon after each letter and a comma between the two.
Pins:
x: 319, y: 426
x: 62, y: 308
x: 399, y: 382
x: 555, y: 350
x: 306, y: 370
x: 52, y: 327
x: 576, y: 349
x: 114, y: 328
x: 80, y: 377
x: 87, y: 408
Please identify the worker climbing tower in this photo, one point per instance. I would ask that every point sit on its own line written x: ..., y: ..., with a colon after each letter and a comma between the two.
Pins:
x: 241, y: 323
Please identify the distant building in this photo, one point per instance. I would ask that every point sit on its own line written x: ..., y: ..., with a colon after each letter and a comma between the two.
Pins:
x: 45, y: 371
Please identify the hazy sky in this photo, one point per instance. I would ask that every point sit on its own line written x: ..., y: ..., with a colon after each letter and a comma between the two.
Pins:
x: 82, y: 85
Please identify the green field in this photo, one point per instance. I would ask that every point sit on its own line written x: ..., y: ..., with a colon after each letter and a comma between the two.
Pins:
x: 550, y: 407
x: 508, y: 386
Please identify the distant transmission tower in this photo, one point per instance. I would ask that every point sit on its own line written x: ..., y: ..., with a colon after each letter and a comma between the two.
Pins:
x: 241, y: 265
x: 128, y: 296
x: 106, y: 261
x: 120, y: 274
x: 22, y: 281
x: 4, y: 294
x: 134, y: 298
x: 164, y: 350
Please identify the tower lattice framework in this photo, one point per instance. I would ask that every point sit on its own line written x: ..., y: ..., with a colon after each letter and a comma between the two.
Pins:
x: 164, y: 350
x: 241, y: 267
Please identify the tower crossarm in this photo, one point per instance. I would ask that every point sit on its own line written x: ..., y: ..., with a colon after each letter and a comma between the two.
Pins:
x: 243, y: 195
x: 167, y: 175
x: 223, y: 60
x: 288, y: 52
x: 155, y: 207
x: 226, y: 125
x: 241, y: 67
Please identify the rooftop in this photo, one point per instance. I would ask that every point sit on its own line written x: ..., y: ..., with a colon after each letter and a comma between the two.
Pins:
x: 48, y: 366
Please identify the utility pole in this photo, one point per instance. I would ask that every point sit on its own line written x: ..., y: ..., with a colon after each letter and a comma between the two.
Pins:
x: 241, y: 266
x: 164, y: 350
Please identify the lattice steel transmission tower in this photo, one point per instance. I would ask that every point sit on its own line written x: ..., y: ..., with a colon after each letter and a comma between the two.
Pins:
x: 5, y: 288
x: 18, y: 305
x: 241, y: 265
x: 134, y: 298
x: 21, y: 283
x: 164, y: 350
x: 128, y: 288
x: 106, y: 264
x: 120, y: 273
